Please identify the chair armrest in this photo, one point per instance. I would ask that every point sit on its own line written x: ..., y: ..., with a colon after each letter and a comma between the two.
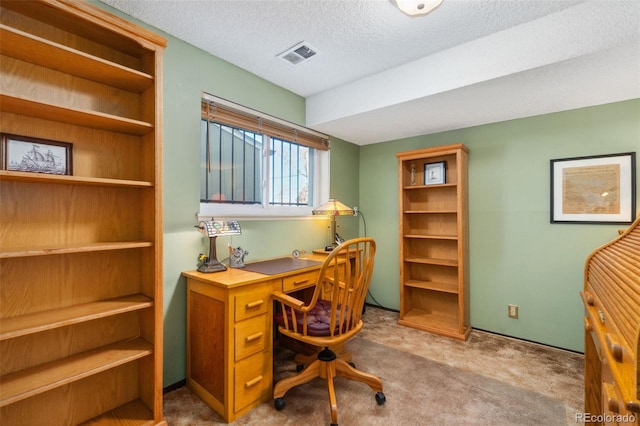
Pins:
x: 288, y: 300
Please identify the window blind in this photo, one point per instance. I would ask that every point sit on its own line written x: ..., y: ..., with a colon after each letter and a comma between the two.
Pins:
x: 222, y: 111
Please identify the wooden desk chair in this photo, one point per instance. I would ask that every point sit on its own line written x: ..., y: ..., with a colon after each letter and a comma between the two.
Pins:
x: 329, y: 319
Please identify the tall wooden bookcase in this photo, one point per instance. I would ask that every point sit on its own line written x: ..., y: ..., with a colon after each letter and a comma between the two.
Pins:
x: 434, y: 247
x: 81, y: 254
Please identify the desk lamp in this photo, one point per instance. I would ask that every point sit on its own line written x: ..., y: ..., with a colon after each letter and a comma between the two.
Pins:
x: 214, y: 229
x: 333, y: 208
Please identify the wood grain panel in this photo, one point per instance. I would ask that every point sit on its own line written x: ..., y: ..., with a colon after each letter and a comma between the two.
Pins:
x: 79, y: 401
x: 72, y: 72
x: 24, y: 79
x: 437, y: 199
x: 68, y: 215
x: 24, y: 21
x: 435, y: 224
x: 49, y: 282
x: 33, y: 350
x: 207, y: 349
x: 612, y: 300
x: 432, y: 248
x: 96, y: 153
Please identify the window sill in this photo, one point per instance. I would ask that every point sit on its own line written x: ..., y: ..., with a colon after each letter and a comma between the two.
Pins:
x: 255, y: 212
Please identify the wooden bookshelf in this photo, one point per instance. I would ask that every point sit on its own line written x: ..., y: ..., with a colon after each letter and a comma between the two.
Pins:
x: 434, y: 277
x: 81, y: 254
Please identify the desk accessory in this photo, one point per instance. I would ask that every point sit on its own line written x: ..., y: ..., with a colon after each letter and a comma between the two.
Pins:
x: 333, y: 208
x: 236, y: 257
x: 213, y: 229
x: 296, y: 253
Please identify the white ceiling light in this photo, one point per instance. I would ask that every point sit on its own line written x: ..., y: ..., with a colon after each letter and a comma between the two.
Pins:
x: 417, y: 7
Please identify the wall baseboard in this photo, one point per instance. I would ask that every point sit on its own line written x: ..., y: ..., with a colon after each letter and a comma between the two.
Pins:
x: 176, y: 385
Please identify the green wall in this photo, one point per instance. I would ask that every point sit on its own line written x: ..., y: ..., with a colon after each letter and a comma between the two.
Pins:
x: 516, y: 255
x: 188, y: 71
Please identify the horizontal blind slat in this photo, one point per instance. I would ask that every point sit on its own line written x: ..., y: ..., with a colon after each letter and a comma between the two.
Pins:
x: 223, y: 114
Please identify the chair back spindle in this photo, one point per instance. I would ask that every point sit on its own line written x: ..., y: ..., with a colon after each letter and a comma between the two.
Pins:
x: 335, y: 309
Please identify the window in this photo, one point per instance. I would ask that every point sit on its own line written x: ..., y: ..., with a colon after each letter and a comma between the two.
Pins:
x: 253, y: 164
x: 290, y: 169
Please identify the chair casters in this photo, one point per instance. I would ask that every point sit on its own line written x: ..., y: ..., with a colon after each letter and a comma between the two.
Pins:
x: 380, y: 398
x: 279, y: 403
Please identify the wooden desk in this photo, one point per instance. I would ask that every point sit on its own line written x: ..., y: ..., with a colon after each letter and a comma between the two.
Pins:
x: 229, y: 334
x: 611, y: 299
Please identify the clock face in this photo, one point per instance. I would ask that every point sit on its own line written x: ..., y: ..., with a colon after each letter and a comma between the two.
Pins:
x: 295, y: 253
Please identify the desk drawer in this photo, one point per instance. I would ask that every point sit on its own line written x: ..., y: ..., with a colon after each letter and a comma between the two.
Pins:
x: 297, y: 282
x: 251, y: 301
x: 251, y: 336
x: 604, y: 325
x: 615, y: 411
x: 252, y: 380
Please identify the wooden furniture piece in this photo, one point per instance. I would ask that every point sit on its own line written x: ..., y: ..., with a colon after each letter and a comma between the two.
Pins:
x: 330, y: 318
x: 434, y: 247
x: 81, y: 254
x: 611, y: 298
x: 230, y: 333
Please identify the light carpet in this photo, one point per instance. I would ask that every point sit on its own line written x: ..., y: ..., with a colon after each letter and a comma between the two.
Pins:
x: 419, y: 391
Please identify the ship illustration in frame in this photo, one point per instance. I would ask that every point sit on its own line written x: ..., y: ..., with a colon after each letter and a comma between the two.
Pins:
x: 33, y: 155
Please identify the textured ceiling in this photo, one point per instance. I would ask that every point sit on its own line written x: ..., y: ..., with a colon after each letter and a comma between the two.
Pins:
x: 381, y: 75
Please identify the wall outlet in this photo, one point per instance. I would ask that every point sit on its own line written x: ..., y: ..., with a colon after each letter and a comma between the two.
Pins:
x: 512, y: 311
x: 355, y: 211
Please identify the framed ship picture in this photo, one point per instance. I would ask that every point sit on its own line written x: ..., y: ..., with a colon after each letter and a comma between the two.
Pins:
x: 33, y: 155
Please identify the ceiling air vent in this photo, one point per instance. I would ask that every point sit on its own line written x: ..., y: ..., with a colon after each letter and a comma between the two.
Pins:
x: 298, y: 53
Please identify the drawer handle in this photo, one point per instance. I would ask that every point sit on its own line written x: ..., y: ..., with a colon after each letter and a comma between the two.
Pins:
x: 587, y: 324
x: 295, y: 283
x: 253, y: 337
x: 615, y: 348
x: 255, y: 304
x: 589, y: 297
x: 253, y: 382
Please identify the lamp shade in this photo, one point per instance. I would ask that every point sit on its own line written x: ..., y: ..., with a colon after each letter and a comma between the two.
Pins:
x: 218, y: 228
x: 417, y: 7
x: 333, y: 207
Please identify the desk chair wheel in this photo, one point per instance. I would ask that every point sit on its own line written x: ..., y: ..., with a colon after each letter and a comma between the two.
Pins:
x: 352, y: 364
x: 380, y: 398
x: 279, y: 403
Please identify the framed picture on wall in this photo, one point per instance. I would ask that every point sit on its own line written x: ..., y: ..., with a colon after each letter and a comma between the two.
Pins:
x: 595, y: 189
x: 434, y: 173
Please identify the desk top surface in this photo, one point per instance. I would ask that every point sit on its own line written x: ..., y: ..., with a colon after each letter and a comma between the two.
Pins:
x: 280, y: 265
x: 233, y: 277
